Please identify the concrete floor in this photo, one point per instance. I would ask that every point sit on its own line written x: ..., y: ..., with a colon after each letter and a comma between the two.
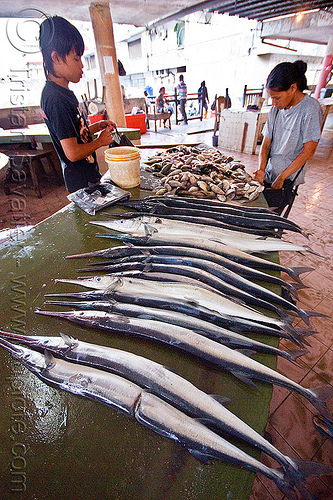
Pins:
x: 290, y: 425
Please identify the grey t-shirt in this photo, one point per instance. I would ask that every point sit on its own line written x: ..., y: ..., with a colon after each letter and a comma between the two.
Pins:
x: 291, y: 128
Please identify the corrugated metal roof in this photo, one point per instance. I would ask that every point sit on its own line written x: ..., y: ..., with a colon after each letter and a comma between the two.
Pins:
x: 265, y: 9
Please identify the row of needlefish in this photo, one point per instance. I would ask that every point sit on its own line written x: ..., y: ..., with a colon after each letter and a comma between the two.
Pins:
x: 173, y: 253
x: 140, y: 306
x: 205, y: 304
x: 159, y: 399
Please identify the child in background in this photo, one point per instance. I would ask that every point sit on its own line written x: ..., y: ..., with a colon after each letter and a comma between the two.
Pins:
x: 62, y: 47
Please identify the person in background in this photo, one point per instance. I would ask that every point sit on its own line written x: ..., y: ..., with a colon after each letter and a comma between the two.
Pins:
x: 182, y: 94
x: 291, y: 133
x: 162, y: 104
x: 62, y: 47
x: 147, y: 106
x: 203, y: 99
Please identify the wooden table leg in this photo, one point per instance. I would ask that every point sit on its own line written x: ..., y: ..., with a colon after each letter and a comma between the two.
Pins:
x: 34, y: 177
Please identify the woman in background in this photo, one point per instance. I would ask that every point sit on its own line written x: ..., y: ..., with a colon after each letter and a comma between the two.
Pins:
x: 162, y: 105
x: 291, y: 133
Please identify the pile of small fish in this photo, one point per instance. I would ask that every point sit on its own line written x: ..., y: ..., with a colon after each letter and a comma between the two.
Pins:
x: 187, y: 279
x: 202, y: 173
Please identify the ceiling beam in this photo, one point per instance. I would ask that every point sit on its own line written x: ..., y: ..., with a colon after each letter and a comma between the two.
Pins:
x: 269, y: 8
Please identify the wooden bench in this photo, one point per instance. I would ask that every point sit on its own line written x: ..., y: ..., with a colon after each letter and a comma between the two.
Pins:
x: 158, y: 117
x: 21, y: 159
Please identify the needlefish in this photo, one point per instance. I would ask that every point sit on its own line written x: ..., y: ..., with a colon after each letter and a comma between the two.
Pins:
x: 238, y: 325
x: 234, y: 219
x: 222, y: 249
x: 184, y: 292
x: 146, y: 408
x: 205, y: 349
x: 215, y: 275
x: 182, y: 251
x: 197, y: 220
x: 208, y: 205
x: 226, y: 337
x: 149, y: 225
x: 182, y: 273
x: 169, y: 386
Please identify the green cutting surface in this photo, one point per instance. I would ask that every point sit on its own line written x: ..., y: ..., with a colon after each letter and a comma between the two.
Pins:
x: 59, y: 445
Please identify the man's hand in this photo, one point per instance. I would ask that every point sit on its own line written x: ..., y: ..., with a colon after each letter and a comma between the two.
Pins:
x: 105, y: 137
x: 106, y: 123
x: 101, y: 125
x: 259, y: 176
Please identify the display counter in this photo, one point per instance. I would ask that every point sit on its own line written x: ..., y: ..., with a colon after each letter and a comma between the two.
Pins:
x: 58, y: 445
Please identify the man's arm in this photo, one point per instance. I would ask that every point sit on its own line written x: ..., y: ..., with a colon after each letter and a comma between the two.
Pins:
x: 308, y: 150
x: 259, y: 174
x: 75, y: 151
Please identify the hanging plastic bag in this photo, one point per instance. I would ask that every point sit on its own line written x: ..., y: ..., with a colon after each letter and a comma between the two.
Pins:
x: 120, y: 140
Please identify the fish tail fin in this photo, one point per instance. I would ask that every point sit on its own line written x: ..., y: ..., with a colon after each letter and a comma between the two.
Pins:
x: 308, y: 249
x: 307, y: 468
x: 316, y: 314
x: 318, y: 397
x: 299, y: 470
x: 305, y: 332
x: 291, y: 289
x: 293, y: 354
x: 295, y: 336
x: 306, y: 315
x: 294, y: 272
x: 286, y: 487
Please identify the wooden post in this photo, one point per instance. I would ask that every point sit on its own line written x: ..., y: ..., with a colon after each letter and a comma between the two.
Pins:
x: 103, y: 31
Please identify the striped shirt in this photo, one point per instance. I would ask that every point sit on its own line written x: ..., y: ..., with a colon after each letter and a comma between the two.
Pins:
x: 182, y: 90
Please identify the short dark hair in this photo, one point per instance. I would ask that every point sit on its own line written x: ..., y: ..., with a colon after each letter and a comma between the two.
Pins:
x: 181, y: 78
x: 57, y: 34
x: 285, y: 74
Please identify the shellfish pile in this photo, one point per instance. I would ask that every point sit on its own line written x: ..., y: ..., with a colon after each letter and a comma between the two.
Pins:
x: 203, y: 173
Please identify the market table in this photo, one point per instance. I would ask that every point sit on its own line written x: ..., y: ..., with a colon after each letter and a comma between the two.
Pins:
x: 59, y: 445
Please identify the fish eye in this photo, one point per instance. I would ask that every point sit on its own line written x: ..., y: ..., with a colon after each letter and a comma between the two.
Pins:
x: 81, y: 313
x: 26, y: 356
x: 98, y: 279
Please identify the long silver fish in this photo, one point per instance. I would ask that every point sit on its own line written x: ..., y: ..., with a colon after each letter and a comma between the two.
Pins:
x: 167, y: 385
x: 236, y: 219
x: 148, y: 410
x: 241, y: 269
x: 214, y: 332
x: 238, y: 325
x: 214, y: 206
x: 199, y: 276
x: 194, y: 294
x: 204, y: 348
x: 208, y: 221
x: 227, y: 251
x: 239, y: 286
x: 247, y: 243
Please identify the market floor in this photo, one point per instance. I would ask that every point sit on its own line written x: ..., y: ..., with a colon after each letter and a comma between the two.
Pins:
x: 290, y: 425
